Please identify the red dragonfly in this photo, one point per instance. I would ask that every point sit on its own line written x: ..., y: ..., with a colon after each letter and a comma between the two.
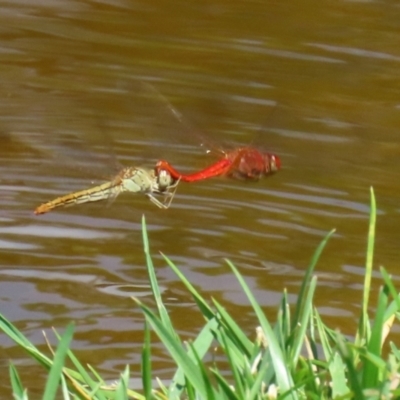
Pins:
x: 246, y: 163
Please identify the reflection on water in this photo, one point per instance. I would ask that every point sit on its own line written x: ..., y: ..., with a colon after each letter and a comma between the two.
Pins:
x: 329, y: 73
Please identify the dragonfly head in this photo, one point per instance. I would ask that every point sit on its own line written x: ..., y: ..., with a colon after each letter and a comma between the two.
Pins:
x: 164, y: 180
x: 272, y: 163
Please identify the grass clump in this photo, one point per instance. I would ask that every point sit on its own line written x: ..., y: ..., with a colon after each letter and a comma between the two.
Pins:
x: 297, y: 357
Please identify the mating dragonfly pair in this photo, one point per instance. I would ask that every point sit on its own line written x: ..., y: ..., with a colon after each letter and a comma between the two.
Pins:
x: 246, y: 163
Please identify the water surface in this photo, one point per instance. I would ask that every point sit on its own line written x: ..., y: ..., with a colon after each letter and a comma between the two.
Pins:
x: 317, y: 85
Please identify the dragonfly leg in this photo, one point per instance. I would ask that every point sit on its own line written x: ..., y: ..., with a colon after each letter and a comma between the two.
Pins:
x: 157, y: 202
x: 174, y: 185
x: 168, y: 196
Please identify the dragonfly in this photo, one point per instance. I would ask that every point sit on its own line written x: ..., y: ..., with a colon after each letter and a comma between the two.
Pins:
x: 150, y: 182
x: 245, y: 163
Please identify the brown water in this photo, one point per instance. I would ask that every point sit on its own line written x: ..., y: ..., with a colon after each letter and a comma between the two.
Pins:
x: 317, y: 83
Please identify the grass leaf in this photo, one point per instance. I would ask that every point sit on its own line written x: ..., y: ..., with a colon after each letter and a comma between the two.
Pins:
x: 58, y: 364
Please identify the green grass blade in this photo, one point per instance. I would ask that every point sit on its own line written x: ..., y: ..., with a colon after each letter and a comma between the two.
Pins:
x: 234, y: 368
x: 284, y: 316
x: 352, y: 374
x: 395, y: 305
x: 13, y: 333
x: 221, y: 336
x: 337, y: 369
x: 64, y: 389
x: 225, y: 387
x: 122, y: 387
x: 363, y: 327
x: 58, y: 364
x: 374, y: 346
x: 198, y: 298
x: 211, y: 395
x: 283, y: 376
x: 190, y: 392
x: 235, y: 332
x: 201, y: 345
x: 256, y: 388
x: 42, y: 359
x: 82, y: 375
x: 304, y: 320
x: 313, y: 329
x: 307, y: 278
x: 153, y: 280
x: 176, y: 350
x: 370, y: 252
x: 323, y: 337
x: 395, y: 351
x: 146, y: 364
x: 16, y: 384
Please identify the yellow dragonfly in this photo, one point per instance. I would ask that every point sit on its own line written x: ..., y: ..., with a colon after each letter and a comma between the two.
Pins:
x: 130, y: 179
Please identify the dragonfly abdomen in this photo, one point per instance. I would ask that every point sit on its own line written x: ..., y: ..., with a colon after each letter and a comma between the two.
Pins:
x: 96, y: 193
